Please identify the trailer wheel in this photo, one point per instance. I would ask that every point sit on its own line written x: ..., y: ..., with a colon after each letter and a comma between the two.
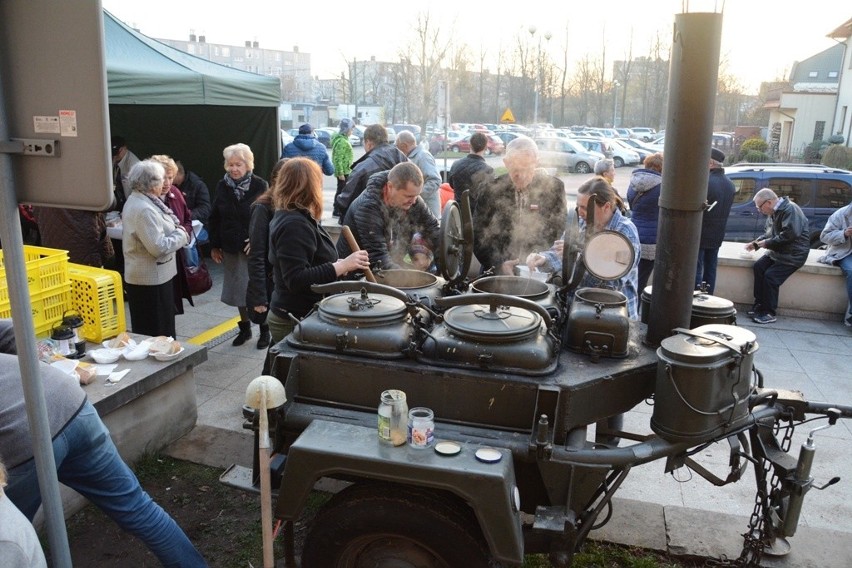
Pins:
x: 383, y: 525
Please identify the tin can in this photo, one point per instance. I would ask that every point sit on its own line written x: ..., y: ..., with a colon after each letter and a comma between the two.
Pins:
x: 421, y: 427
x: 393, y: 409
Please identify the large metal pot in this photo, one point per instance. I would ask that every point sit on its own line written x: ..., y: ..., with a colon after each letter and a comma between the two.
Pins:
x: 420, y: 286
x: 598, y: 323
x: 706, y: 309
x: 492, y: 332
x: 530, y: 289
x: 358, y: 318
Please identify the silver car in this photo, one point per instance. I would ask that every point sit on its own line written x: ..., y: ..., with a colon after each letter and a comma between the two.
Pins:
x: 566, y: 155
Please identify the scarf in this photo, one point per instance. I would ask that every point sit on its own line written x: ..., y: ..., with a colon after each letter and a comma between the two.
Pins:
x: 155, y: 199
x: 239, y: 186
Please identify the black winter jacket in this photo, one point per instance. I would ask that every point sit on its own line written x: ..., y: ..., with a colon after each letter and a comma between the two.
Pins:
x: 788, y: 238
x: 197, y: 196
x: 260, y: 282
x: 379, y: 159
x: 469, y: 173
x: 721, y: 190
x: 383, y: 232
x: 301, y: 253
x: 229, y: 218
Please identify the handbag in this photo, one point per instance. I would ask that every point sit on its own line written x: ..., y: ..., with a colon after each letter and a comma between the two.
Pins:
x: 198, y: 278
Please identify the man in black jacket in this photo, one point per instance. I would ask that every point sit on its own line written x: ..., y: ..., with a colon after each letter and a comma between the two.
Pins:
x: 720, y: 194
x: 197, y: 197
x: 386, y: 217
x: 787, y: 243
x: 471, y: 172
x: 380, y: 156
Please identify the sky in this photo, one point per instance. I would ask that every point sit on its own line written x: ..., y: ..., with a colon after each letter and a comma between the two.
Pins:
x: 760, y: 38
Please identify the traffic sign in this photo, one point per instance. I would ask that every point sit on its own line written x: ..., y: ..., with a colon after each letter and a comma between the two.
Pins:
x: 507, y: 116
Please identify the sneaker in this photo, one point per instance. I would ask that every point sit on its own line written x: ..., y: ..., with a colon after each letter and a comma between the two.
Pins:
x: 754, y: 311
x: 764, y: 318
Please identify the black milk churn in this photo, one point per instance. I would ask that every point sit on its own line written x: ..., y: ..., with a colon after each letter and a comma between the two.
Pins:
x: 706, y: 309
x: 704, y: 378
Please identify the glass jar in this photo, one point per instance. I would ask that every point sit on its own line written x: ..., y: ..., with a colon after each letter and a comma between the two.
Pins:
x: 421, y: 427
x: 393, y: 411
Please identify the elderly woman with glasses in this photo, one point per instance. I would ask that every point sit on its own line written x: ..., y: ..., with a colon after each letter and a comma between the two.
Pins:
x: 151, y: 237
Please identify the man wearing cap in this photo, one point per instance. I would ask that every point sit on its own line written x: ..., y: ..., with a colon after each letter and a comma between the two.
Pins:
x: 122, y: 160
x: 341, y: 156
x: 306, y: 145
x: 720, y: 197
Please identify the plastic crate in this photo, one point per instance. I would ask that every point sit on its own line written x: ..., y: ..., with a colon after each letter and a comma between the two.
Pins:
x: 47, y: 308
x: 97, y: 295
x: 47, y: 269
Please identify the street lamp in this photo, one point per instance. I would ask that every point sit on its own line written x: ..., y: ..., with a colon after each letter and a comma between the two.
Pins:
x: 547, y: 36
x: 615, y: 84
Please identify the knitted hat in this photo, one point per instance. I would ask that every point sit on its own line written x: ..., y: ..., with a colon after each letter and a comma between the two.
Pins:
x: 306, y: 129
x: 345, y: 125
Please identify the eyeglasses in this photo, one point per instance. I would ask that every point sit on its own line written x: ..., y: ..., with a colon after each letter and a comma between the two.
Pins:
x: 762, y: 203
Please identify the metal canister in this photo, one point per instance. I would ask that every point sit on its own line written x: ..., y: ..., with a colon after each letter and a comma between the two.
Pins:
x: 393, y: 415
x: 706, y: 309
x: 704, y: 378
x: 597, y: 323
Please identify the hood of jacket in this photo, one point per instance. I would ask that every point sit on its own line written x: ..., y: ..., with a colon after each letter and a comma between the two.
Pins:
x: 643, y: 180
x: 305, y: 142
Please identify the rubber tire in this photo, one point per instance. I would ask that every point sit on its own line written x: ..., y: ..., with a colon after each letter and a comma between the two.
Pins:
x: 582, y: 168
x: 487, y: 151
x: 455, y: 149
x: 617, y: 162
x: 385, y: 524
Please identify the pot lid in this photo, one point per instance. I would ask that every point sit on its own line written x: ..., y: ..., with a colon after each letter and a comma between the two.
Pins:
x: 482, y: 320
x: 707, y: 304
x: 691, y: 347
x: 609, y: 255
x: 455, y: 247
x: 363, y: 307
x: 512, y: 286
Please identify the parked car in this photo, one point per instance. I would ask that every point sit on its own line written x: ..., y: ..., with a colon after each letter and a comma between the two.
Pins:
x: 622, y: 154
x: 637, y: 147
x: 642, y: 133
x: 413, y: 128
x: 286, y: 137
x: 566, y: 155
x: 819, y: 190
x: 495, y: 145
x: 391, y: 134
x: 507, y: 136
x: 599, y: 145
x: 623, y: 133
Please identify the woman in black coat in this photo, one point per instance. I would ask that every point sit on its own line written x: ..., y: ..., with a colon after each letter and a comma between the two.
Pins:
x: 301, y: 250
x: 229, y: 229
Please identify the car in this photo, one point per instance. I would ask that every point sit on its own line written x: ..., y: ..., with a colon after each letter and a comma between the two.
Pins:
x: 637, y: 147
x: 642, y: 133
x: 622, y: 154
x: 608, y: 132
x: 324, y: 135
x: 566, y: 155
x: 391, y: 134
x: 495, y: 145
x: 413, y: 128
x: 507, y: 136
x: 286, y: 137
x: 599, y: 145
x: 623, y: 133
x: 819, y: 190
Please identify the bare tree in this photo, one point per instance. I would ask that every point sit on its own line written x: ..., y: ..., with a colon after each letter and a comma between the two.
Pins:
x: 427, y: 53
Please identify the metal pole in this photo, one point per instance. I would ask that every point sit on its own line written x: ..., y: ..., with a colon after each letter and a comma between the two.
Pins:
x: 16, y: 279
x: 614, y: 103
x: 689, y: 129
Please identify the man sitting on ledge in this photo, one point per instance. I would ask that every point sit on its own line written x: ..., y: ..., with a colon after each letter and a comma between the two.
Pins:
x: 837, y: 234
x: 787, y: 244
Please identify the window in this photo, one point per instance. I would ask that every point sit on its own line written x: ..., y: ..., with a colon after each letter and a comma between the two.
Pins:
x: 226, y: 52
x: 819, y: 129
x: 833, y: 193
x: 832, y: 74
x: 813, y: 74
x: 796, y: 190
x: 745, y: 190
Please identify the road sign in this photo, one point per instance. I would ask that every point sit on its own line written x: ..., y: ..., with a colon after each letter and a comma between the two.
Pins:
x: 507, y: 116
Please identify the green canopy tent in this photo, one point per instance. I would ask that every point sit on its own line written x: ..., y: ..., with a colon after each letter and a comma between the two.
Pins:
x: 165, y: 101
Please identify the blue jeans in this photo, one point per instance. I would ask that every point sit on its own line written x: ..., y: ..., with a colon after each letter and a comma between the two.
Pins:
x: 88, y: 462
x: 708, y: 259
x: 846, y: 266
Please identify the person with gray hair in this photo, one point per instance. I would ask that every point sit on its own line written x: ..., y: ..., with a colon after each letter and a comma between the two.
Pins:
x: 837, y: 234
x: 407, y: 144
x: 151, y: 237
x: 520, y: 212
x: 787, y: 242
x: 19, y: 544
x: 606, y: 169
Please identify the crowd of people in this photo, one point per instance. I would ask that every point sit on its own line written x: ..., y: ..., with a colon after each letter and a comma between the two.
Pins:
x: 271, y: 242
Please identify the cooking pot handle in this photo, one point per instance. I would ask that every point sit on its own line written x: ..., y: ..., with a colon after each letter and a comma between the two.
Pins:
x: 738, y: 350
x: 495, y: 300
x: 345, y: 286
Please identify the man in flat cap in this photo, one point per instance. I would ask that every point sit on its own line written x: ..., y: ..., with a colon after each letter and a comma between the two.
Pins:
x: 720, y: 197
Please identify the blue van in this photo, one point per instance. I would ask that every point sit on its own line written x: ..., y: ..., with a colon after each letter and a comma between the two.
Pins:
x: 819, y: 190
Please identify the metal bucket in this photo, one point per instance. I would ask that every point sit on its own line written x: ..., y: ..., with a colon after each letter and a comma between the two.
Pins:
x: 420, y: 285
x: 706, y: 309
x: 704, y: 377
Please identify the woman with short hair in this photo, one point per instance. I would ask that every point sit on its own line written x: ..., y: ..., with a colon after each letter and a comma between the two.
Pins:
x: 229, y: 229
x: 151, y: 237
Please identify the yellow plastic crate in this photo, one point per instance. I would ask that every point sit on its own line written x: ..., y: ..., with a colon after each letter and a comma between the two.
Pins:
x: 47, y: 308
x: 97, y: 295
x: 47, y: 269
